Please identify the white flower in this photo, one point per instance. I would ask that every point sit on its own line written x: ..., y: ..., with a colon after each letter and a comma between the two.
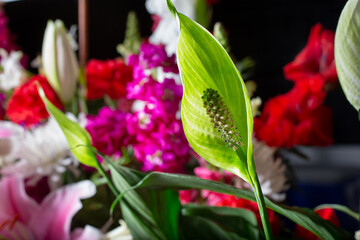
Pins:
x: 43, y: 151
x: 12, y: 72
x: 120, y: 233
x: 10, y: 136
x: 357, y: 235
x: 167, y: 31
x: 59, y: 60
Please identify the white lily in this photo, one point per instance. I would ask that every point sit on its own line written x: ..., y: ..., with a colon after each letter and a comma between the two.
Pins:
x: 59, y: 60
x: 120, y: 233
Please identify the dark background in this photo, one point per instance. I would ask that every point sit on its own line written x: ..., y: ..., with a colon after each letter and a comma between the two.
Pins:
x: 271, y: 32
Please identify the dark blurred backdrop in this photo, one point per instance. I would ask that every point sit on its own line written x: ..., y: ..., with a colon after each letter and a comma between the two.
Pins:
x: 271, y: 32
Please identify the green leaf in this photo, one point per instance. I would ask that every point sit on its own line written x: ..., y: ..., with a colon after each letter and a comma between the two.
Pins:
x: 340, y: 208
x: 205, y: 64
x: 302, y: 216
x: 203, y: 13
x: 132, y: 40
x: 139, y: 230
x: 78, y: 138
x: 237, y: 220
x: 347, y: 51
x: 158, y: 209
x: 209, y: 76
x: 165, y: 205
x: 201, y: 228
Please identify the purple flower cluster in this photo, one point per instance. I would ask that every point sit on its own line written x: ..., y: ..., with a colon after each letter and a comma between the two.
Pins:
x: 108, y: 131
x: 160, y: 140
x: 154, y: 131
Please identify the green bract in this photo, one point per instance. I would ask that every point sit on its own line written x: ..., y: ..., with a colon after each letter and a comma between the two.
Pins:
x: 204, y: 64
x: 78, y: 138
x: 59, y: 61
x: 347, y: 52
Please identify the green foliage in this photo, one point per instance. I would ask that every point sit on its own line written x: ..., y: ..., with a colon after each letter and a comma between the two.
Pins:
x: 205, y: 64
x: 302, y: 216
x: 340, y: 208
x: 78, y: 138
x: 132, y: 40
x: 221, y: 36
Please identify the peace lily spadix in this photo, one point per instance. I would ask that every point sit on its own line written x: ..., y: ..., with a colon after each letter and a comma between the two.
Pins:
x: 59, y: 60
x: 347, y: 52
x: 216, y: 109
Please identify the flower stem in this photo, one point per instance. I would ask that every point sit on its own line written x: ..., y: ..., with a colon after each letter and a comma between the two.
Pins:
x: 262, y: 207
x: 111, y: 185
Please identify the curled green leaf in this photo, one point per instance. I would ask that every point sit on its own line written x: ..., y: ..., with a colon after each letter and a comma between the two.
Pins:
x: 204, y: 64
x: 347, y: 51
x: 78, y: 138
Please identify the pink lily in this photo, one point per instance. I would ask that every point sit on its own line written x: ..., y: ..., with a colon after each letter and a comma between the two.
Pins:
x: 21, y: 217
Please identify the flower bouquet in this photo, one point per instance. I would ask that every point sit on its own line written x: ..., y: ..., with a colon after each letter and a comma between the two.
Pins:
x: 166, y: 141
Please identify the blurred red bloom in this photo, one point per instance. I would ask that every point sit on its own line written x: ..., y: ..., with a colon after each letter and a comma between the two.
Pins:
x: 25, y: 106
x: 316, y: 61
x: 327, y: 214
x: 212, y: 2
x: 107, y: 78
x: 299, y: 117
x: 287, y: 120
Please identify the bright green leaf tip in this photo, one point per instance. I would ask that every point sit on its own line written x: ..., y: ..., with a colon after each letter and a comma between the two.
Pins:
x: 78, y: 138
x: 171, y: 8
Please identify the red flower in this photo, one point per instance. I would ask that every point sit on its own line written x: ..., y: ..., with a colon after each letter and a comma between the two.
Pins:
x: 291, y: 119
x: 316, y: 61
x: 107, y: 78
x: 25, y: 106
x: 298, y: 117
x: 327, y: 214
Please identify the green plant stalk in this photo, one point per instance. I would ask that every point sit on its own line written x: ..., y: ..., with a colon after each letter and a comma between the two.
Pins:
x: 255, y: 184
x: 262, y: 206
x: 111, y: 185
x: 82, y: 91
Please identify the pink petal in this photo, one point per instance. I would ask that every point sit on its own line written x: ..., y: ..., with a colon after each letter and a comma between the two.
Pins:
x: 53, y: 218
x: 14, y: 201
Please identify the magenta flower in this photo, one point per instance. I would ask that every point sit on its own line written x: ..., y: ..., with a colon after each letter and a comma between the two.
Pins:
x: 108, y: 131
x: 155, y: 56
x: 165, y: 149
x: 21, y: 217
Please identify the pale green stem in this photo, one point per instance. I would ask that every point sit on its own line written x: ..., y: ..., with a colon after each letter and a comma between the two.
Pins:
x: 262, y: 207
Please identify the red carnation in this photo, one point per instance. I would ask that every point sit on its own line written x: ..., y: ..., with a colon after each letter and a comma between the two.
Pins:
x: 107, y: 78
x: 316, y: 61
x: 327, y: 214
x: 25, y: 106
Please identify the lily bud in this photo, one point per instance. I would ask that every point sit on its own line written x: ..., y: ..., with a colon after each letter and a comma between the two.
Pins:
x: 59, y: 60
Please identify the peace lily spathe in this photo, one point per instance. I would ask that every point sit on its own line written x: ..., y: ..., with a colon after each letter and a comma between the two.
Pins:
x: 59, y: 60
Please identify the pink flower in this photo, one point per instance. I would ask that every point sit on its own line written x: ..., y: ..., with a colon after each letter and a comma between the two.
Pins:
x: 21, y: 217
x: 108, y: 131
